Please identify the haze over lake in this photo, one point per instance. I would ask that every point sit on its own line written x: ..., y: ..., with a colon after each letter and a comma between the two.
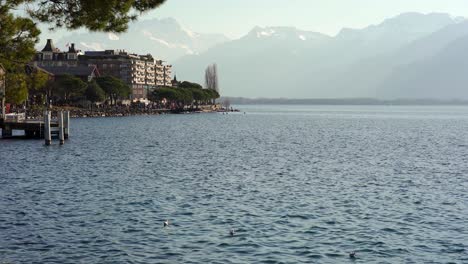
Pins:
x: 299, y: 184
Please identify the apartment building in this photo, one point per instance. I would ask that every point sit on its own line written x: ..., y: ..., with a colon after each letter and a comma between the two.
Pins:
x: 159, y: 73
x: 167, y: 75
x: 141, y: 72
x: 163, y: 74
x: 137, y: 71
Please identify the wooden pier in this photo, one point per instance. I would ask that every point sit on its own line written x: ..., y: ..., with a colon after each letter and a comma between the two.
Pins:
x: 46, y: 129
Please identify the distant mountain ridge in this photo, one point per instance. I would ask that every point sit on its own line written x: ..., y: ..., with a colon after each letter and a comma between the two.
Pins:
x: 411, y: 55
x: 163, y: 38
x: 287, y: 62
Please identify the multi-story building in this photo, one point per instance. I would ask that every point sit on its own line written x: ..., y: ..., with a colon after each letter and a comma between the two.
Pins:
x: 141, y: 72
x: 50, y: 56
x: 163, y: 74
x: 167, y: 75
x: 50, y: 59
x: 159, y: 73
x: 137, y: 71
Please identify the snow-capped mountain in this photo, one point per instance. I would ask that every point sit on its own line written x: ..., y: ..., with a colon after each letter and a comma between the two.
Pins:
x: 163, y: 38
x: 287, y: 62
x: 285, y: 33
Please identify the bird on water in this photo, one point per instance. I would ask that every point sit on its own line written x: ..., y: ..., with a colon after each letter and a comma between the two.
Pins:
x: 232, y: 232
x: 352, y: 255
x: 166, y: 223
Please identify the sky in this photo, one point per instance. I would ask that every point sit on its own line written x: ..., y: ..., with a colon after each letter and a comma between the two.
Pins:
x: 235, y: 18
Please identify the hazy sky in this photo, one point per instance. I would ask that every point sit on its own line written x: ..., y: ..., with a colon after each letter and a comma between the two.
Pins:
x: 235, y: 18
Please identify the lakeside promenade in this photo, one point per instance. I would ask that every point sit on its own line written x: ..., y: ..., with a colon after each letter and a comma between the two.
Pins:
x: 117, y: 111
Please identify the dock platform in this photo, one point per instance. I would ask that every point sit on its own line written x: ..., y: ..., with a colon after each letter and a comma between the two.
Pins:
x: 37, y: 129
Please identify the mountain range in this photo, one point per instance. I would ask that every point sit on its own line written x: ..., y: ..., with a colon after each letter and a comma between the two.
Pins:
x: 164, y: 38
x: 412, y: 55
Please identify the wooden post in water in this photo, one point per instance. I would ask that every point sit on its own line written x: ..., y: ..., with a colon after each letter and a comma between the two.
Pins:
x: 47, y: 134
x: 61, y: 128
x: 66, y: 121
x: 7, y: 131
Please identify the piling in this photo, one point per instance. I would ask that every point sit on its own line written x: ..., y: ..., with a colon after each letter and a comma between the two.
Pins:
x: 66, y: 122
x: 61, y: 128
x: 7, y: 131
x: 47, y: 134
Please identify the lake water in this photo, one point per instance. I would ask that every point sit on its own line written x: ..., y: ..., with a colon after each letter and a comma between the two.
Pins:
x: 299, y: 184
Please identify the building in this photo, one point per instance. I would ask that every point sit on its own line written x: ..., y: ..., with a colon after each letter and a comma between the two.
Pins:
x: 85, y: 73
x: 141, y: 73
x: 159, y: 73
x: 137, y: 71
x: 163, y: 74
x: 167, y: 75
x: 57, y: 63
x: 174, y: 82
x: 51, y: 56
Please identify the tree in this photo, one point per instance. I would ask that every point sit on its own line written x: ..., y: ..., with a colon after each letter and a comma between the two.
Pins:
x: 114, y: 88
x: 211, y: 77
x: 211, y: 94
x: 16, y: 88
x: 38, y: 82
x: 186, y: 95
x: 17, y: 39
x: 106, y: 15
x: 69, y: 88
x: 94, y: 92
x: 186, y: 84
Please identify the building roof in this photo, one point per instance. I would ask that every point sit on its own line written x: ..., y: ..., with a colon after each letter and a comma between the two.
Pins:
x: 72, y: 48
x: 76, y: 71
x: 30, y: 68
x: 49, y: 47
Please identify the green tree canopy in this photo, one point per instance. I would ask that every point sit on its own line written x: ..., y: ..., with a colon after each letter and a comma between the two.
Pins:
x: 184, y: 96
x: 94, y: 92
x: 198, y: 94
x: 114, y: 88
x: 17, y: 39
x: 16, y: 89
x: 167, y: 93
x: 39, y: 85
x: 186, y: 84
x: 37, y: 80
x: 104, y: 15
x: 69, y: 88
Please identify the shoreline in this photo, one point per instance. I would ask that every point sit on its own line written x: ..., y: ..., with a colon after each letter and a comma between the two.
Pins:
x: 35, y: 114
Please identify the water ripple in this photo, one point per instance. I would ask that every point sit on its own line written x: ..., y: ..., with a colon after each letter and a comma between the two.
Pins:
x: 298, y: 186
